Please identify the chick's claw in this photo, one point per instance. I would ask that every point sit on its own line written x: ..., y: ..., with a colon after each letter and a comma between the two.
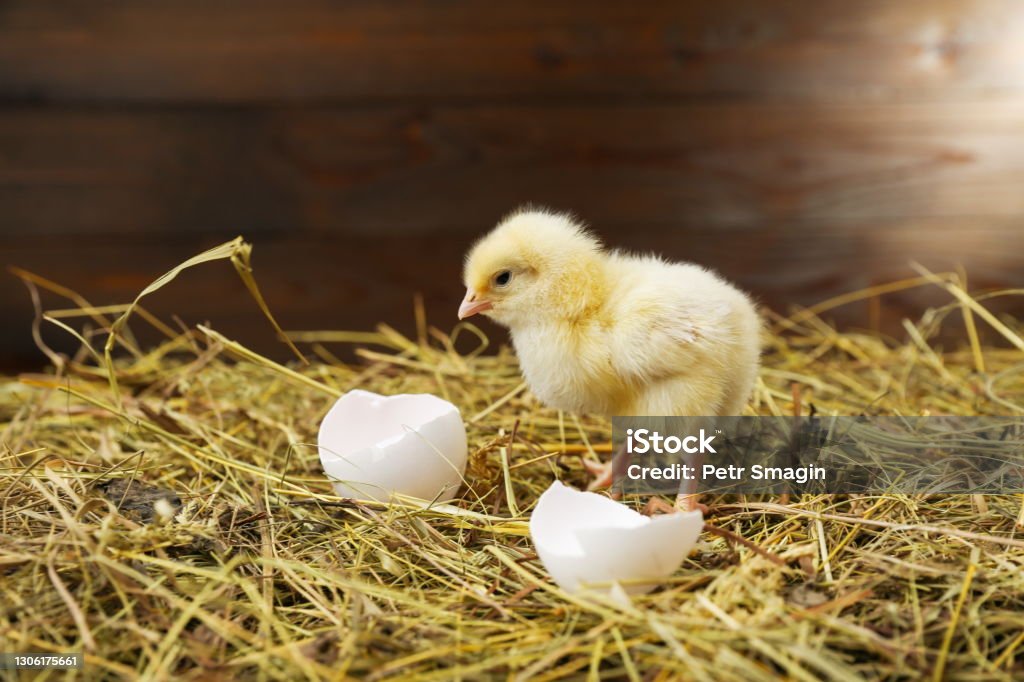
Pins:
x: 603, y: 473
x: 604, y: 476
x: 689, y: 502
x: 656, y: 505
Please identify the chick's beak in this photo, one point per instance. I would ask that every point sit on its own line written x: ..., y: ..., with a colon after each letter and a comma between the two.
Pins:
x: 471, y: 305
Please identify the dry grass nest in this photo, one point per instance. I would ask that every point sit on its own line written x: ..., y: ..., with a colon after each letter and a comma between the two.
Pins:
x: 163, y: 510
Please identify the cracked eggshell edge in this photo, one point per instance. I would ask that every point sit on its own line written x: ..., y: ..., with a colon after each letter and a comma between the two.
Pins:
x: 586, y: 539
x: 426, y: 460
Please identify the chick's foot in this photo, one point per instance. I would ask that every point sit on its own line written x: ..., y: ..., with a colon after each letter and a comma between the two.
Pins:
x: 602, y: 472
x: 604, y: 475
x: 689, y: 502
x: 656, y: 505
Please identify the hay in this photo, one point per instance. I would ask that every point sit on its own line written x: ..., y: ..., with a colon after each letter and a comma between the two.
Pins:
x: 230, y: 555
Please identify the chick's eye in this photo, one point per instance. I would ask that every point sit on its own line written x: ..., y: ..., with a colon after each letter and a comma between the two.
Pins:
x: 503, y: 278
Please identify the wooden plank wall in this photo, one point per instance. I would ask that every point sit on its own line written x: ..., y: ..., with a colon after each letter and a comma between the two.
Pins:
x: 803, y: 147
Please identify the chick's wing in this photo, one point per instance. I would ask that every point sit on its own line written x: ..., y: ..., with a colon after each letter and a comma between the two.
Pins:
x: 655, y: 336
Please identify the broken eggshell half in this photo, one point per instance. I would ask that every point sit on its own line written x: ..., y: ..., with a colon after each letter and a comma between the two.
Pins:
x: 374, y: 446
x: 586, y: 540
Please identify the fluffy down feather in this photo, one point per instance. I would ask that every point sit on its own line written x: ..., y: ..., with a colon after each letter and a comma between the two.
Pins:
x: 610, y: 332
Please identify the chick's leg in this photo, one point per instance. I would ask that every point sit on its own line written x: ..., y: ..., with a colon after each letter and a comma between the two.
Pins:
x: 601, y: 471
x: 688, y: 499
x: 606, y: 473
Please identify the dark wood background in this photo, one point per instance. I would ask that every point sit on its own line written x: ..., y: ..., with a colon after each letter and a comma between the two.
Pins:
x: 803, y: 147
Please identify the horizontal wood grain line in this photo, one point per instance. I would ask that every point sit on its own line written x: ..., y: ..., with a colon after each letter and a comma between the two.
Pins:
x: 777, y: 260
x: 416, y: 170
x: 354, y: 282
x: 258, y: 50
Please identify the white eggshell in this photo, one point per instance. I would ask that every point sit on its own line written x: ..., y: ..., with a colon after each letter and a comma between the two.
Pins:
x: 586, y: 539
x: 412, y: 444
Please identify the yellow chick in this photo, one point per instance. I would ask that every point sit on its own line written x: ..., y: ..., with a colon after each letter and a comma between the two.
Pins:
x: 609, y: 332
